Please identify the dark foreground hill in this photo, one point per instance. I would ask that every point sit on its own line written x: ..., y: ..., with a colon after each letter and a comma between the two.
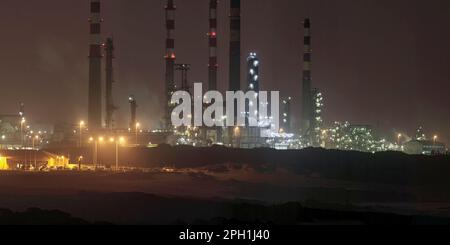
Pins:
x: 150, y: 210
x: 35, y: 216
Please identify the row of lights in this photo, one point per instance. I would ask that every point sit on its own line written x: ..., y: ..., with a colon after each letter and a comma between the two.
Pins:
x: 82, y: 124
x: 399, y: 137
x: 112, y: 139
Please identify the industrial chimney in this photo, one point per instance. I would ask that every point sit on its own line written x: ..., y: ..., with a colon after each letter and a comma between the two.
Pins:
x: 109, y: 103
x: 133, y: 107
x: 170, y: 62
x: 235, y: 45
x: 307, y: 106
x: 212, y: 34
x: 95, y: 64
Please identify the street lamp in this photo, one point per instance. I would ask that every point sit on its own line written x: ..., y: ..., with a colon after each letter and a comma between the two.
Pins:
x: 96, y: 141
x: 81, y: 131
x: 3, y: 141
x: 399, y: 136
x: 35, y: 161
x: 118, y: 142
x: 435, y: 139
x: 237, y: 135
x: 137, y: 129
x: 22, y: 122
x: 36, y: 137
x: 237, y: 131
x: 91, y: 140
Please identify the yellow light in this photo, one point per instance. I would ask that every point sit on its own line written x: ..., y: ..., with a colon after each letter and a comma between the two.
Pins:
x: 91, y: 139
x: 101, y: 139
x: 236, y: 130
x: 111, y: 140
x: 82, y: 123
x: 122, y: 139
x: 36, y: 137
x: 138, y: 125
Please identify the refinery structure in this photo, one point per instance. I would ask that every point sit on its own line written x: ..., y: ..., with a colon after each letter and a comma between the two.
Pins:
x: 313, y: 131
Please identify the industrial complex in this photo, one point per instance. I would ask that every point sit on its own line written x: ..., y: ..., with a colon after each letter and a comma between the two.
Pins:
x: 27, y: 146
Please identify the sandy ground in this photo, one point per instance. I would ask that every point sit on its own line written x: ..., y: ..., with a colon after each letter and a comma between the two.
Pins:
x: 66, y: 191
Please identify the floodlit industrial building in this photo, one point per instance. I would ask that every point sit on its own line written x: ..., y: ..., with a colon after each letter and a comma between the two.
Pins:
x: 425, y: 147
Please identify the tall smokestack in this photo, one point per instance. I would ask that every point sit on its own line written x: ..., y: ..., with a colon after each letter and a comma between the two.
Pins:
x: 170, y: 61
x: 307, y: 112
x: 110, y: 108
x: 212, y: 34
x: 133, y: 107
x: 235, y: 45
x: 95, y: 64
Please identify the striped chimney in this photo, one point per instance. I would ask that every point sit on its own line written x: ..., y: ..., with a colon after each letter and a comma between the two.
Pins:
x: 235, y: 45
x: 95, y: 64
x: 307, y: 107
x: 170, y: 61
x: 212, y: 34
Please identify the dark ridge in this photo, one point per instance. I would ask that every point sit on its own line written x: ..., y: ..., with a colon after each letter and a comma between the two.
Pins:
x: 36, y: 216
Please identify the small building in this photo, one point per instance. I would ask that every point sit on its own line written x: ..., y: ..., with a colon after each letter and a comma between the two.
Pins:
x: 424, y: 147
x: 31, y: 159
x: 4, y: 163
x: 244, y: 137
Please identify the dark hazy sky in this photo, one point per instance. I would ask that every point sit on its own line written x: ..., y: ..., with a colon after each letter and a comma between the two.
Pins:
x: 379, y: 62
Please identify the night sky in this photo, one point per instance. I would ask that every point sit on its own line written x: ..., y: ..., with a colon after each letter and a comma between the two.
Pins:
x: 379, y: 62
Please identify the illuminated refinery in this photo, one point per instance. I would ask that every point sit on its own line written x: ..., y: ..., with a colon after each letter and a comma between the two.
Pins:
x: 314, y: 130
x: 224, y: 112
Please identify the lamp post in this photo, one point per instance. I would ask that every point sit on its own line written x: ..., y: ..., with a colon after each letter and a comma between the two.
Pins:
x: 399, y: 136
x: 3, y: 141
x: 22, y: 122
x: 81, y: 131
x: 435, y: 139
x: 94, y: 157
x: 119, y: 141
x: 237, y: 135
x: 100, y: 140
x: 137, y: 129
x: 36, y: 137
x: 96, y: 141
x: 35, y: 161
